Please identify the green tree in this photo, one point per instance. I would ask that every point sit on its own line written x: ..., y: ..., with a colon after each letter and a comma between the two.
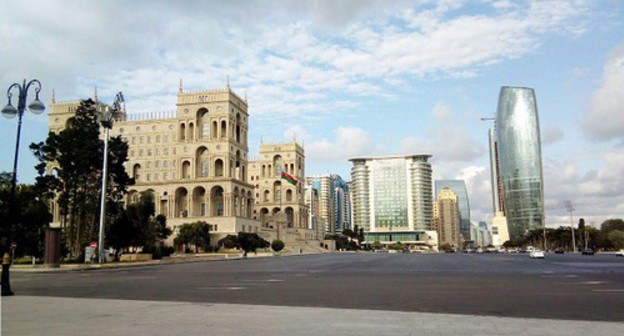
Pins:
x: 76, y: 154
x: 196, y: 234
x: 612, y: 224
x: 277, y: 245
x: 377, y: 245
x: 30, y: 218
x: 229, y: 242
x: 249, y: 242
x: 616, y: 237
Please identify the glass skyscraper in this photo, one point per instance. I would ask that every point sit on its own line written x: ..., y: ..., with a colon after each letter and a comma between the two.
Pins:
x: 459, y: 188
x: 520, y: 159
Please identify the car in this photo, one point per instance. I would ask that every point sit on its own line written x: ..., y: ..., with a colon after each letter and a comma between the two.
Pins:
x: 559, y: 251
x: 536, y: 254
x: 588, y: 251
x: 620, y: 253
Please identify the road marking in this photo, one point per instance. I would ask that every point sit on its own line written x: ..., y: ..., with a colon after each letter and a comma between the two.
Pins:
x: 261, y: 280
x: 609, y: 290
x: 592, y: 282
x: 224, y: 288
x: 73, y: 285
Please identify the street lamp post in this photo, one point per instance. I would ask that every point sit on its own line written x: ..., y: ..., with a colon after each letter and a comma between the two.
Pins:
x: 570, y: 208
x: 9, y: 111
x: 107, y: 117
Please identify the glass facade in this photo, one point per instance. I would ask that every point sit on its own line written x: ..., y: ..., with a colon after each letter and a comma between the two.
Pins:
x: 459, y: 188
x: 520, y: 159
x: 390, y: 193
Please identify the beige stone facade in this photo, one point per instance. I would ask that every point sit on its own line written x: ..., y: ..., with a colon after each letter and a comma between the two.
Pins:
x: 446, y: 218
x: 276, y: 200
x: 194, y: 160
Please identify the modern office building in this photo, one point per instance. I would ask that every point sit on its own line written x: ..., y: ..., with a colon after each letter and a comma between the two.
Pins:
x: 446, y: 217
x: 482, y: 234
x: 520, y: 159
x: 459, y: 188
x: 334, y: 201
x: 392, y: 199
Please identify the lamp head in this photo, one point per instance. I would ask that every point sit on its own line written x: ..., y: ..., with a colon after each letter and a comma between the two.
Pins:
x: 9, y: 111
x: 36, y: 106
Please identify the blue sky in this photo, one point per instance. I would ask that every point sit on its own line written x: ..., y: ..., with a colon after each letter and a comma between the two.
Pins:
x: 351, y: 78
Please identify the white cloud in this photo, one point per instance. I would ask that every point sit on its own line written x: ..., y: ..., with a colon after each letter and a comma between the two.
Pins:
x: 604, y: 119
x: 442, y: 112
x: 551, y: 135
x: 291, y: 61
x: 349, y: 142
x: 449, y: 143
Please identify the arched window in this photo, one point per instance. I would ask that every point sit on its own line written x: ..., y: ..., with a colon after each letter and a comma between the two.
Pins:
x: 266, y: 196
x: 218, y: 167
x: 214, y: 129
x: 204, y: 169
x: 288, y: 195
x: 205, y: 130
x: 223, y: 129
x: 182, y: 132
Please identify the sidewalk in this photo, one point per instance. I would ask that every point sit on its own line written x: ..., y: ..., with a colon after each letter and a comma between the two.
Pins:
x: 32, y: 315
x: 175, y: 259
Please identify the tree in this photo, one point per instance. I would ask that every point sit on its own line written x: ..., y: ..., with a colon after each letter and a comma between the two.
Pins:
x: 196, y: 233
x: 249, y: 242
x: 377, y: 245
x: 76, y: 154
x: 612, y: 224
x: 616, y: 237
x: 30, y: 218
x: 229, y: 242
x: 277, y: 245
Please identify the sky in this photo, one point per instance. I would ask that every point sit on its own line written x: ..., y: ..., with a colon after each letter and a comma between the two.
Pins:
x: 350, y: 78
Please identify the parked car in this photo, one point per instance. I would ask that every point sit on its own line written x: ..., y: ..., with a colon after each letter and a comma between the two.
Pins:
x: 559, y: 251
x: 620, y: 253
x: 588, y: 252
x: 536, y: 254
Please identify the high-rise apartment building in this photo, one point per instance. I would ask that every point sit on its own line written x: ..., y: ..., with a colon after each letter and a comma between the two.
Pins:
x: 446, y: 217
x: 334, y: 201
x: 459, y: 188
x: 392, y: 199
x: 315, y: 222
x: 520, y: 159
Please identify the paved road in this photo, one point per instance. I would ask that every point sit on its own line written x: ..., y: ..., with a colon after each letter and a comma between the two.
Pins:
x: 567, y: 286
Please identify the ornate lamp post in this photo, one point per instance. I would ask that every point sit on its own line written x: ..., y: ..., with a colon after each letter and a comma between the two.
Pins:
x: 9, y: 111
x: 107, y: 117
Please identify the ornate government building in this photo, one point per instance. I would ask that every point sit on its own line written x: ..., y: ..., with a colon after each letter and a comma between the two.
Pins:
x: 195, y: 162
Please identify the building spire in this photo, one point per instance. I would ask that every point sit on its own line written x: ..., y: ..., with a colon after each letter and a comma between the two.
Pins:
x: 53, y: 99
x: 180, y: 87
x: 227, y: 82
x: 95, y: 97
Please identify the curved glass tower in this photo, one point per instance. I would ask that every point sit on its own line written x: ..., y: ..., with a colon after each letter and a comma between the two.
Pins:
x: 520, y: 159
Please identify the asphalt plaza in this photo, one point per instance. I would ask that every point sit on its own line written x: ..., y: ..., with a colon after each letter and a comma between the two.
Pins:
x: 559, y: 287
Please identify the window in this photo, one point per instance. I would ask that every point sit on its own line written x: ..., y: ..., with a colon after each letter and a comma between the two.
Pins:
x: 204, y: 169
x: 133, y: 140
x: 149, y: 152
x: 149, y: 139
x: 157, y: 164
x: 158, y: 138
x: 140, y: 139
x: 205, y: 130
x: 165, y: 176
x: 166, y: 151
x: 140, y: 152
